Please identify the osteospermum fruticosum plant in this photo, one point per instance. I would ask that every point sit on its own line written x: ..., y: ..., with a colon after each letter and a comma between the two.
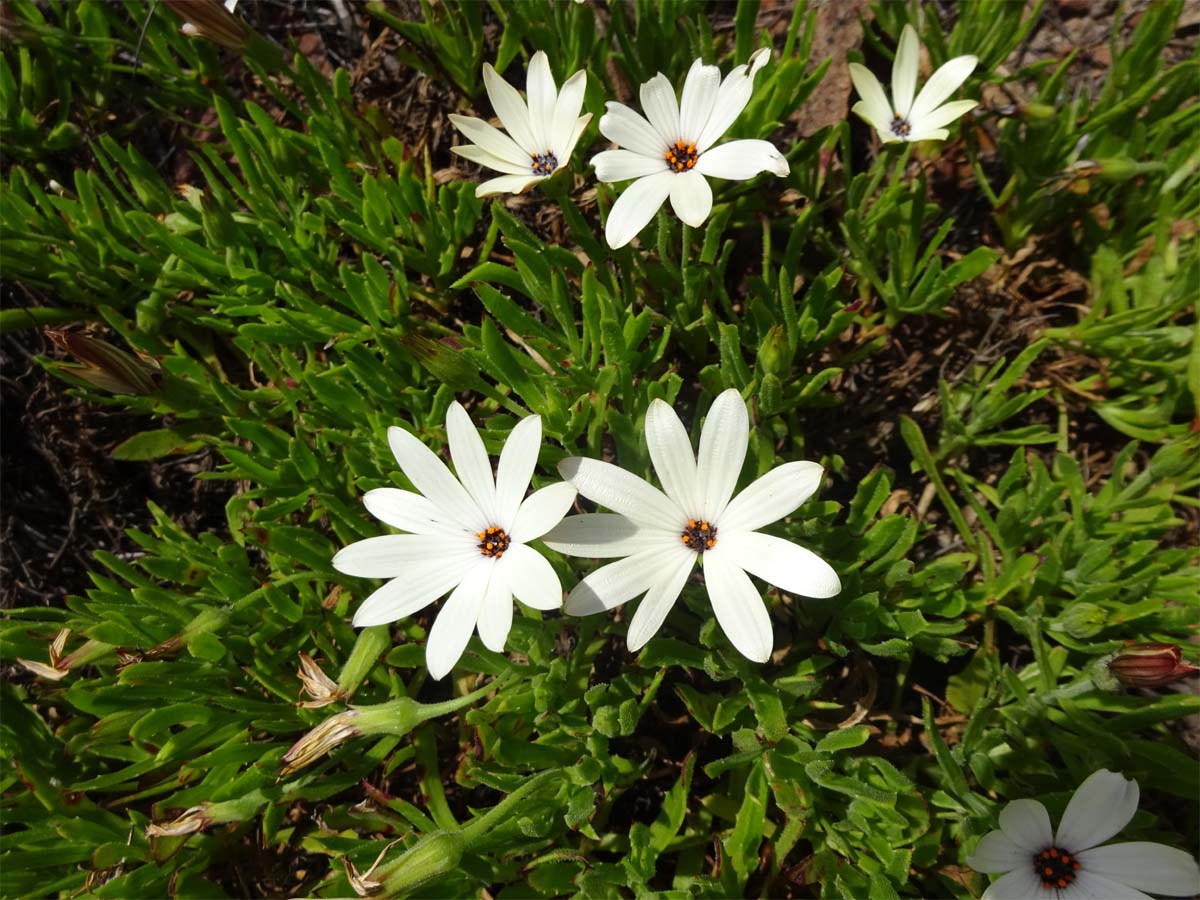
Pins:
x: 1074, y: 862
x: 912, y: 116
x: 670, y: 151
x: 543, y: 128
x: 468, y: 534
x: 299, y: 283
x: 660, y: 535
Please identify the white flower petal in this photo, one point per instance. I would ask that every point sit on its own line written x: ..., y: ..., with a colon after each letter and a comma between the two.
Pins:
x: 661, y: 108
x: 732, y: 97
x: 699, y: 96
x: 456, y: 620
x: 471, y: 461
x: 937, y: 134
x: 389, y: 555
x: 623, y: 126
x: 566, y: 113
x: 676, y: 566
x: 510, y: 108
x: 1019, y: 884
x: 601, y: 535
x: 542, y: 94
x: 635, y: 207
x: 1099, y: 808
x: 861, y: 109
x: 622, y: 165
x: 723, y: 441
x: 996, y: 852
x: 1150, y: 867
x: 430, y: 476
x: 877, y: 110
x: 739, y: 607
x: 945, y: 114
x: 492, y: 140
x: 531, y: 578
x: 1027, y: 824
x: 541, y: 511
x: 507, y: 184
x: 496, y: 611
x: 904, y: 71
x: 517, y: 462
x: 407, y: 511
x: 773, y: 496
x: 741, y: 160
x: 420, y: 585
x: 1095, y: 887
x: 576, y: 132
x: 672, y: 457
x: 477, y: 154
x: 691, y: 198
x: 944, y: 82
x: 622, y: 492
x: 616, y: 583
x: 786, y: 565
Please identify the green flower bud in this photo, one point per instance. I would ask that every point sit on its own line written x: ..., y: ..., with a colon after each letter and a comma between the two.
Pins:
x: 1083, y: 620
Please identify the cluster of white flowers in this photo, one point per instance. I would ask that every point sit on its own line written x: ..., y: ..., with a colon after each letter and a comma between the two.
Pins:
x: 469, y: 535
x: 672, y: 150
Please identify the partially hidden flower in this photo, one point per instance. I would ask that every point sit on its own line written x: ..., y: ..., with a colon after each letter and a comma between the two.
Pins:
x: 670, y: 150
x: 1070, y: 863
x: 662, y: 534
x: 1149, y: 665
x: 905, y: 118
x: 542, y: 133
x: 468, y: 535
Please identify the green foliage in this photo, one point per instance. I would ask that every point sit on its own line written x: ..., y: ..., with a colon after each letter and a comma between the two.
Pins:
x: 318, y: 283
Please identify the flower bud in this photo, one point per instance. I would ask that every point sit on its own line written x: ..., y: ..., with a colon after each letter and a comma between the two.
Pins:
x: 1149, y: 665
x: 1083, y: 620
x: 213, y: 20
x: 774, y: 356
x: 104, y: 366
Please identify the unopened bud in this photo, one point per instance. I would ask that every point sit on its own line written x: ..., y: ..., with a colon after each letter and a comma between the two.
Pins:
x: 213, y: 20
x: 105, y: 366
x: 1083, y: 620
x: 1149, y: 665
x: 773, y: 355
x: 1037, y: 112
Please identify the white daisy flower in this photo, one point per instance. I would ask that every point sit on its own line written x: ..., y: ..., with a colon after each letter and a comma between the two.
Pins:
x: 541, y: 134
x: 906, y: 119
x: 662, y: 534
x: 1041, y: 864
x: 468, y: 534
x: 670, y: 154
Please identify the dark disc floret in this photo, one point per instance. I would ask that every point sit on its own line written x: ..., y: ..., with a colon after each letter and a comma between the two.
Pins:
x: 681, y: 156
x: 1055, y: 868
x: 900, y: 126
x: 493, y: 542
x: 544, y: 163
x: 699, y: 536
